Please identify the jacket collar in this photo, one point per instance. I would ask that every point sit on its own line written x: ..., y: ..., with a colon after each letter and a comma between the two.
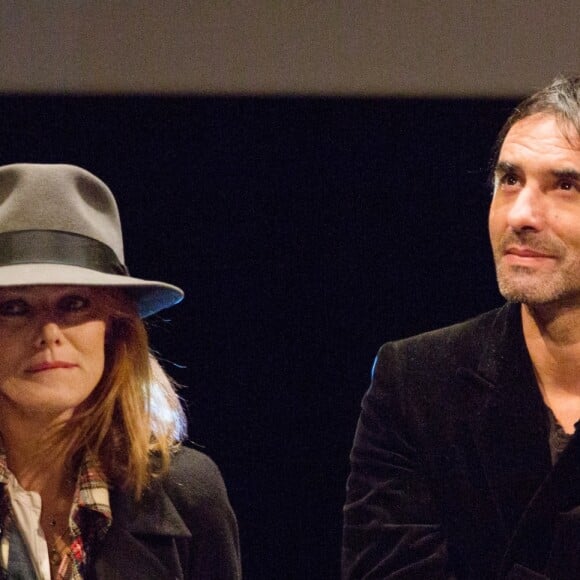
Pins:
x: 154, y: 514
x: 141, y: 543
x: 506, y: 415
x: 509, y: 425
x: 503, y: 351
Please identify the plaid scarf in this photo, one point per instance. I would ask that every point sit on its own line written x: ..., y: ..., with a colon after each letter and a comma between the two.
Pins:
x: 90, y: 518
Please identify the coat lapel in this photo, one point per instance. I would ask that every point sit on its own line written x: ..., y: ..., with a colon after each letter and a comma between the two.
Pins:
x: 123, y: 556
x: 507, y: 419
x: 550, y: 525
x: 508, y: 422
x: 141, y: 544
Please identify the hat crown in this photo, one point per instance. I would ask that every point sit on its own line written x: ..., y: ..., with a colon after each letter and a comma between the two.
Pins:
x: 59, y: 197
x: 59, y: 225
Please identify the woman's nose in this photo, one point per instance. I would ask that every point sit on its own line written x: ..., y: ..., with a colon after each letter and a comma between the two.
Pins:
x: 48, y: 335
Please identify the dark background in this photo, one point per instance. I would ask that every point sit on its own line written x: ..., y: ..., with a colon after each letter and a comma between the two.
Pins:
x: 305, y: 233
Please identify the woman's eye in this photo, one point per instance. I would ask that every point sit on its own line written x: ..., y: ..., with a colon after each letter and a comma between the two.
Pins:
x: 13, y: 308
x: 74, y: 303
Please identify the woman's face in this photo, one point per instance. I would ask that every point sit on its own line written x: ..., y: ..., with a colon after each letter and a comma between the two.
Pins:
x: 52, y: 348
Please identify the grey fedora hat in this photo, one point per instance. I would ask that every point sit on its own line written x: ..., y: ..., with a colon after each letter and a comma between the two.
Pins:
x: 59, y: 224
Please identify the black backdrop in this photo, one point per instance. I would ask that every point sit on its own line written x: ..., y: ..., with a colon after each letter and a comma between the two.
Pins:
x: 305, y: 233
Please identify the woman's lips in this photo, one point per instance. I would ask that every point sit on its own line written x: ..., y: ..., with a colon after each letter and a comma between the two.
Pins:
x: 48, y: 366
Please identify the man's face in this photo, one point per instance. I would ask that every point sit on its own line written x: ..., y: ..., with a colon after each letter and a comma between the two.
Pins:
x: 534, y: 219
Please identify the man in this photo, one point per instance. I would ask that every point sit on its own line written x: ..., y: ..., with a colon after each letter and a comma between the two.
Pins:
x: 465, y: 464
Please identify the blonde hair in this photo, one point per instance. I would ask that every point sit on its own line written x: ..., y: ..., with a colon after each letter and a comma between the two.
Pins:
x: 133, y: 420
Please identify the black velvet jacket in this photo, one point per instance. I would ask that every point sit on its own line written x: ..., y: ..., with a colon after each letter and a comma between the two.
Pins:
x: 451, y: 474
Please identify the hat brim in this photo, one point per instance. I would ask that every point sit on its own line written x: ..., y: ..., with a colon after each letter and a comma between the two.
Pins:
x: 151, y: 296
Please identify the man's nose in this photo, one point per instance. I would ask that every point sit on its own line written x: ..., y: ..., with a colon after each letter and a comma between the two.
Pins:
x: 527, y: 210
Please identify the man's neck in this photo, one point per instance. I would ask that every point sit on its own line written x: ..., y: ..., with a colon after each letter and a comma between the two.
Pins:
x: 552, y: 336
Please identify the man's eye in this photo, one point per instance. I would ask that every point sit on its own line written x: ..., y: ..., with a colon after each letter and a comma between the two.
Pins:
x: 74, y: 303
x: 509, y: 179
x: 13, y: 308
x: 567, y: 185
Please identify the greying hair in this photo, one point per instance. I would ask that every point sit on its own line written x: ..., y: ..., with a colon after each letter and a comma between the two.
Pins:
x: 560, y: 98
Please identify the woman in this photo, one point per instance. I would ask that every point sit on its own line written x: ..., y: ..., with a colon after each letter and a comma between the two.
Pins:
x: 93, y: 481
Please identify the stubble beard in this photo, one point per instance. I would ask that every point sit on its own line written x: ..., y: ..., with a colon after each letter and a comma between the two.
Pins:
x: 528, y: 286
x: 536, y: 286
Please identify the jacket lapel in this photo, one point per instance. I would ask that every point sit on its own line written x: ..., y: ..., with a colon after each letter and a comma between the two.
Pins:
x: 507, y: 419
x: 122, y: 556
x: 550, y: 525
x: 141, y: 543
x: 508, y: 422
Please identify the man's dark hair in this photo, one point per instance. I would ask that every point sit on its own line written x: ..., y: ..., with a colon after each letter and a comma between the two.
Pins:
x: 561, y: 98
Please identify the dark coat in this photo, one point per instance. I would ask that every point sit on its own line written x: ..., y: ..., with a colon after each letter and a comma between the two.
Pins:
x: 184, y: 528
x: 451, y: 475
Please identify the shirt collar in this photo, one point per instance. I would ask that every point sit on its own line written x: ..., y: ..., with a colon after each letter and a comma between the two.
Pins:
x: 91, y: 492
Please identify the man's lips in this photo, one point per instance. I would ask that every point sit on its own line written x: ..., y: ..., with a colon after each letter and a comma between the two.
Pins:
x: 48, y: 366
x: 525, y: 256
x: 524, y: 252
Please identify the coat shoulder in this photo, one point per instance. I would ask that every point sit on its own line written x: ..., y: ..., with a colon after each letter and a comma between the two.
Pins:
x: 195, y: 480
x: 197, y: 490
x: 460, y: 344
x: 183, y: 524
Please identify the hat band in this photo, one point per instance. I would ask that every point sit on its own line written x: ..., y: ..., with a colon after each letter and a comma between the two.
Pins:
x: 56, y: 247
